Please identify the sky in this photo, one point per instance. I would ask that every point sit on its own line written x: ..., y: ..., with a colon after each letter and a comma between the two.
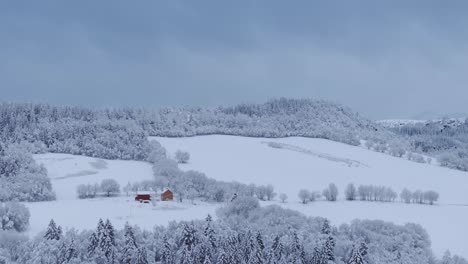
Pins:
x: 384, y: 59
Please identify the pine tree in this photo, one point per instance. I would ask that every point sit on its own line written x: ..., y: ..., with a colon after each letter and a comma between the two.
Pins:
x: 109, y: 231
x: 106, y: 240
x: 296, y: 255
x: 186, y: 256
x: 260, y: 241
x: 358, y: 254
x: 142, y: 256
x: 130, y: 248
x: 71, y: 251
x: 188, y: 236
x: 100, y: 232
x: 209, y: 233
x: 167, y: 256
x: 276, y: 251
x: 329, y: 248
x: 53, y: 232
x: 326, y: 228
x: 93, y: 244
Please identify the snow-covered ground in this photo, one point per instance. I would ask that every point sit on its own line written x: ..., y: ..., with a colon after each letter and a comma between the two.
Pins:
x: 300, y: 163
x: 314, y: 163
x: 68, y: 171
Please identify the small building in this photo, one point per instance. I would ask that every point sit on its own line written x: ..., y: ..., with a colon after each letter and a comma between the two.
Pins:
x: 143, y: 197
x: 167, y: 195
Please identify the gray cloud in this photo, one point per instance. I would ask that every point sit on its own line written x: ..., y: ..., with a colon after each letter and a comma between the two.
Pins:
x: 384, y: 59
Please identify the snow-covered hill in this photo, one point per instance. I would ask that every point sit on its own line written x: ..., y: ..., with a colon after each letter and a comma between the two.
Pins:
x: 314, y: 163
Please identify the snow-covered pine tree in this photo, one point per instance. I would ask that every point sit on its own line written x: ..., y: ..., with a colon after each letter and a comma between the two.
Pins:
x: 53, y: 232
x: 329, y: 248
x: 188, y: 236
x: 130, y: 249
x: 256, y: 250
x: 109, y: 232
x: 106, y: 237
x: 100, y: 231
x: 358, y: 253
x: 71, y: 251
x: 93, y: 244
x: 209, y: 232
x: 276, y: 251
x: 260, y: 241
x: 326, y: 228
x: 186, y: 257
x: 142, y: 257
x: 167, y: 256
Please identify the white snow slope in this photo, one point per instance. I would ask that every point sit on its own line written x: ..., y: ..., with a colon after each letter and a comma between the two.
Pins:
x: 314, y: 163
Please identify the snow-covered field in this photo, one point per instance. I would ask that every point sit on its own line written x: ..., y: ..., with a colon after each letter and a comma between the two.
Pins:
x: 301, y: 163
x: 68, y: 171
x: 314, y: 163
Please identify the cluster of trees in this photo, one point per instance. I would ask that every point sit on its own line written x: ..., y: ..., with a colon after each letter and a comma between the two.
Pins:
x: 367, y: 193
x: 14, y: 216
x: 21, y: 178
x: 108, y: 187
x: 373, y: 193
x: 330, y: 194
x: 446, y: 139
x: 244, y: 232
x: 418, y: 196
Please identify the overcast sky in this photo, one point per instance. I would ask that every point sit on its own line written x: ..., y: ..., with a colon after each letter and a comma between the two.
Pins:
x: 385, y: 59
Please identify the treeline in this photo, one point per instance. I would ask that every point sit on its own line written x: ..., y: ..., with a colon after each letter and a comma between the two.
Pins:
x: 446, y: 139
x: 372, y: 193
x: 243, y: 233
x: 78, y: 130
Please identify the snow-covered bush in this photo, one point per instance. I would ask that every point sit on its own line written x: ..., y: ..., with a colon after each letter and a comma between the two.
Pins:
x: 110, y: 187
x: 331, y: 192
x: 182, y: 156
x: 14, y: 216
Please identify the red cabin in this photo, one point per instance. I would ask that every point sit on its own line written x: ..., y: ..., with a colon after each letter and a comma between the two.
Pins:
x: 143, y: 197
x: 167, y: 195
